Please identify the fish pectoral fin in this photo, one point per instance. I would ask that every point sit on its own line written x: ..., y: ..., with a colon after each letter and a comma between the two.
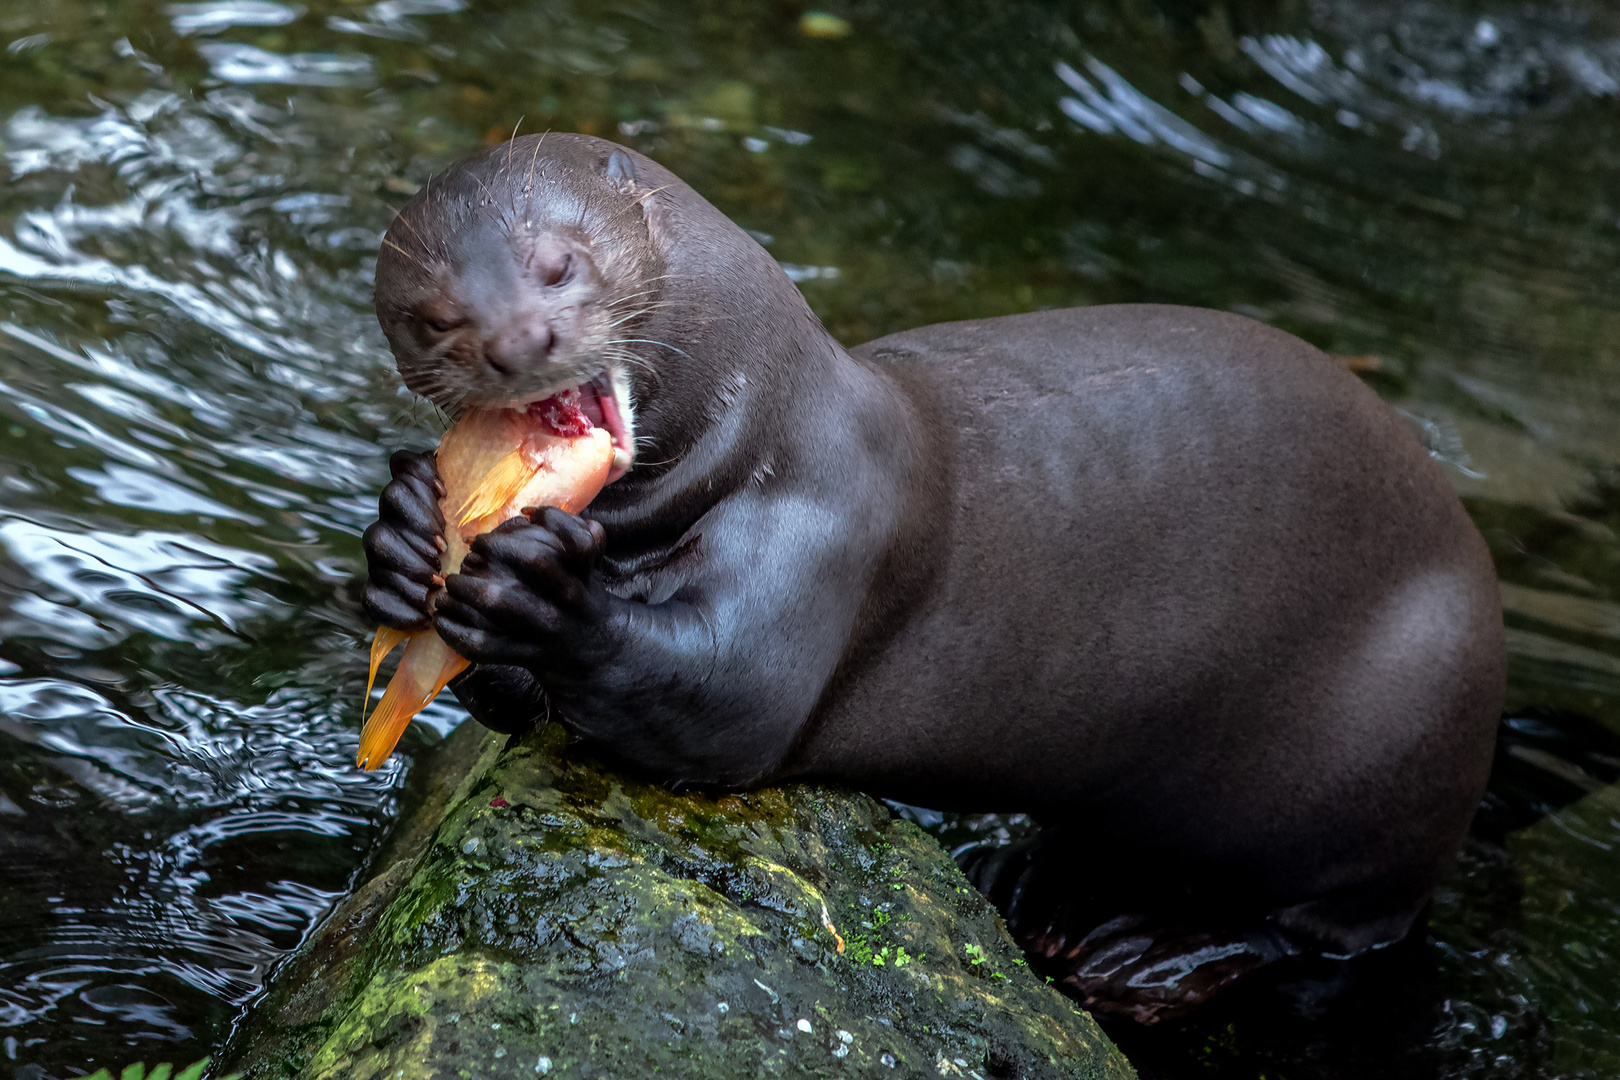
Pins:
x: 497, y: 488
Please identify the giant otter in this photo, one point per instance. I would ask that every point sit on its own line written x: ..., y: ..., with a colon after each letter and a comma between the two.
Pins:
x: 1172, y: 581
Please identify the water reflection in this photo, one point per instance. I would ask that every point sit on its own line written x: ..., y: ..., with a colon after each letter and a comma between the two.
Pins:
x: 247, y: 64
x: 182, y: 481
x: 216, y: 15
x: 197, y: 406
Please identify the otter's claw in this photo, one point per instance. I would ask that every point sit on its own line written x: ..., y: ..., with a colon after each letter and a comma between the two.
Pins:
x: 403, y: 546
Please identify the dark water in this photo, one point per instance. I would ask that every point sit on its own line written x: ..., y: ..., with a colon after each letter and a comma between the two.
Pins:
x: 196, y: 407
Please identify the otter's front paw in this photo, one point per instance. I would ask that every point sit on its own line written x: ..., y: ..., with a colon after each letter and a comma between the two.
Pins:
x: 403, y: 546
x: 524, y: 595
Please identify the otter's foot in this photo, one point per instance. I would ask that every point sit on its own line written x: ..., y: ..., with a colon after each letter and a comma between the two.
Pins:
x: 505, y: 699
x: 1148, y: 965
x: 1135, y: 967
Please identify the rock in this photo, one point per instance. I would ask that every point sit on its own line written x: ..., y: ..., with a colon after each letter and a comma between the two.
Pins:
x: 539, y: 915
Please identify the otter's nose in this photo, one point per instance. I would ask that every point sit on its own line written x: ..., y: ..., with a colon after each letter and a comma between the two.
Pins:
x: 529, y: 341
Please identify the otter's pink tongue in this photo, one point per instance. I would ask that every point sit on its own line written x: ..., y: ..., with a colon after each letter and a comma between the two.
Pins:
x: 562, y: 414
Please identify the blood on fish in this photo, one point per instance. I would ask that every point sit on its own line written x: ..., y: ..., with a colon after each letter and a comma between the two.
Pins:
x: 562, y: 415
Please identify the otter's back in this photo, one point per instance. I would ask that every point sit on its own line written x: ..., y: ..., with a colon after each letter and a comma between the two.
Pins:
x: 1164, y: 523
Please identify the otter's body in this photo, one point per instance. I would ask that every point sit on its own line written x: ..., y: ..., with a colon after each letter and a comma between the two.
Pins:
x: 1171, y: 580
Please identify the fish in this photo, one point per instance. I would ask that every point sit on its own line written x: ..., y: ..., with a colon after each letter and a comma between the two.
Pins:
x: 494, y: 464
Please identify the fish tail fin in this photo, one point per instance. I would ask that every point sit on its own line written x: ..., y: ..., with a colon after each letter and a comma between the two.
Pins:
x: 381, y: 645
x: 427, y: 666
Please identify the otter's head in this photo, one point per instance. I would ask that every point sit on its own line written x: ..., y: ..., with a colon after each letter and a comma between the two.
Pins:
x: 521, y: 273
x: 563, y: 262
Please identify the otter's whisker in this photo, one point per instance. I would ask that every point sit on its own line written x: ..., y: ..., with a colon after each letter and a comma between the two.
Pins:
x: 639, y: 199
x: 650, y: 280
x: 627, y: 297
x: 528, y: 185
x: 630, y: 359
x: 655, y: 305
x: 480, y: 182
x: 407, y: 222
x: 513, y: 139
x: 649, y: 341
x: 634, y: 313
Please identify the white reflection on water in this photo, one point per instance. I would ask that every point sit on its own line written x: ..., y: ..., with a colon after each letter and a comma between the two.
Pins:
x: 234, y: 313
x: 250, y: 64
x: 1433, y: 55
x: 151, y: 582
x: 391, y: 18
x: 216, y: 15
x: 124, y: 486
x: 1119, y: 106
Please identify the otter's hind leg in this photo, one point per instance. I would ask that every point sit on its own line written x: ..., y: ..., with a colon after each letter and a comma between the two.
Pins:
x: 1130, y: 939
x: 1145, y: 952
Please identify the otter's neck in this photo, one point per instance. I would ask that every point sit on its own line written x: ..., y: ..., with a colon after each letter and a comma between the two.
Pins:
x: 737, y: 367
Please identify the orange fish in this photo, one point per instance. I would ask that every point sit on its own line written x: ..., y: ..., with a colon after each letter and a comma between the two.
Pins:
x: 493, y: 462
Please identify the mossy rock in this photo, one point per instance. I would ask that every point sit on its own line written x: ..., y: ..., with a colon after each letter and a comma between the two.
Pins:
x: 539, y: 915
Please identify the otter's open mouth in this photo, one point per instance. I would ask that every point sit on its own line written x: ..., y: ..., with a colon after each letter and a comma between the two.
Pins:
x: 603, y: 402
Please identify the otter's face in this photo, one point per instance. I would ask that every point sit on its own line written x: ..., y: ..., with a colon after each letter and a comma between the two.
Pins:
x: 499, y: 287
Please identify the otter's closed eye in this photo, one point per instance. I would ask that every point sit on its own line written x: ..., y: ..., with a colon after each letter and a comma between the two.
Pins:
x: 553, y: 272
x: 442, y: 322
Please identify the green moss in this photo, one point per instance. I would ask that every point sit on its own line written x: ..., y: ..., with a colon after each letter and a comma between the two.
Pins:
x: 562, y: 919
x: 139, y: 1071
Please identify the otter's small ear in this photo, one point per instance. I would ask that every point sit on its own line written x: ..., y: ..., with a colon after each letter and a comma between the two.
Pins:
x: 620, y: 169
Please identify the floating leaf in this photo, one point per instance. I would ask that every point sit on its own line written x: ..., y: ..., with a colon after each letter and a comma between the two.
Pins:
x: 823, y: 24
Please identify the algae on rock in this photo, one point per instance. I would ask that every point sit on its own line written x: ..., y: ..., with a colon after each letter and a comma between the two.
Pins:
x: 538, y: 914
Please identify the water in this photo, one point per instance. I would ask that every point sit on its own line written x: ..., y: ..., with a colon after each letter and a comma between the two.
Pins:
x: 196, y: 406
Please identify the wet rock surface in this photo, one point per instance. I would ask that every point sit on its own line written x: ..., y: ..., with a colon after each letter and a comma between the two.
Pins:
x: 540, y: 915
